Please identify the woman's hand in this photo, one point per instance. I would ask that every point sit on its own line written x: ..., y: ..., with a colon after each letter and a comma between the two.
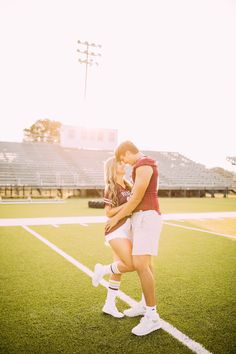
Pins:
x: 111, y: 223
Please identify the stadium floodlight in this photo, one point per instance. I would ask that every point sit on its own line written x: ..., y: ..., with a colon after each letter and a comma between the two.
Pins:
x: 86, y: 57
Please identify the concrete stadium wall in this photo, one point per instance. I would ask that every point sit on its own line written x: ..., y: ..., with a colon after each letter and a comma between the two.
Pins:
x: 63, y: 193
x: 31, y: 192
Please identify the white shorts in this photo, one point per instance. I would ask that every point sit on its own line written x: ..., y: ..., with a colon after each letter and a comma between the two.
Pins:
x: 146, y: 229
x: 124, y: 231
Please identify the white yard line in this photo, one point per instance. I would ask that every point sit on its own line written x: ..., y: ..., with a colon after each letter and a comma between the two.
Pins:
x: 181, y: 337
x: 65, y: 220
x: 201, y: 230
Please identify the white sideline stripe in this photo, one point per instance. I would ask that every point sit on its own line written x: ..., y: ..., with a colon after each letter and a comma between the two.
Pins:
x: 204, y: 216
x: 201, y: 230
x: 181, y: 337
x: 65, y: 220
x: 54, y: 225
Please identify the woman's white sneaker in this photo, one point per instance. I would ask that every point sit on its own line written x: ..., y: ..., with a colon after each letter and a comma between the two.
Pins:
x: 137, y: 310
x: 112, y: 310
x: 147, y: 325
x: 98, y: 274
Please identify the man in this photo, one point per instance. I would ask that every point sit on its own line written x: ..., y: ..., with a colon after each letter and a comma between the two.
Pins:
x: 146, y: 227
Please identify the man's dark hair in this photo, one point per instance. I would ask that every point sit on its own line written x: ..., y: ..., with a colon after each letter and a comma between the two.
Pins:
x: 125, y: 146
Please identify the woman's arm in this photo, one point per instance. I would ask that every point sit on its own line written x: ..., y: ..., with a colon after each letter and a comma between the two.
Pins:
x: 113, y: 211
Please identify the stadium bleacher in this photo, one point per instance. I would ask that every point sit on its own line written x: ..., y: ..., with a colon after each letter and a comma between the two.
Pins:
x: 50, y: 165
x: 177, y: 171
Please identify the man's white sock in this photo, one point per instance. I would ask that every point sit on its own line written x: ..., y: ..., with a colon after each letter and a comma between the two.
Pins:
x: 151, y: 311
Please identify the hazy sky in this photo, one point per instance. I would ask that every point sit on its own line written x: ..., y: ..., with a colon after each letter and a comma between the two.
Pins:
x: 166, y: 79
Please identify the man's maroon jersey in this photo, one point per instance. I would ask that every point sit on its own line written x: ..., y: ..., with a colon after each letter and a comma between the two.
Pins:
x: 122, y: 195
x: 150, y: 198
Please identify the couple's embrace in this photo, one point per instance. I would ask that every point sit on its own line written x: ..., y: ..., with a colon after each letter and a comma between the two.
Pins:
x: 133, y: 231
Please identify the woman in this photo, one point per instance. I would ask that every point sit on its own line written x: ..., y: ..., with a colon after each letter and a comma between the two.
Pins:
x: 117, y: 192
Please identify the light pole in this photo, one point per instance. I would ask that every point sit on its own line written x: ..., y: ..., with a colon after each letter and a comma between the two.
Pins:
x: 88, y: 55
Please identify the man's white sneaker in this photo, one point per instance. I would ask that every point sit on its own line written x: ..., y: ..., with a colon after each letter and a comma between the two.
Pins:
x: 98, y: 274
x: 137, y: 310
x: 112, y: 310
x: 147, y: 325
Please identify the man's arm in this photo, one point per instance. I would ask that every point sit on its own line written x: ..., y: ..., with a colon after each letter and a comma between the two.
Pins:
x: 113, y: 211
x: 142, y: 179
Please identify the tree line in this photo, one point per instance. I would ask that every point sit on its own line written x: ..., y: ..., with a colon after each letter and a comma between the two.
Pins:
x: 43, y: 130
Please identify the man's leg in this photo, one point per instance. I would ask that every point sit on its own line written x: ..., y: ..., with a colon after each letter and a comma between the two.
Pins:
x: 151, y: 320
x: 140, y: 308
x: 145, y: 272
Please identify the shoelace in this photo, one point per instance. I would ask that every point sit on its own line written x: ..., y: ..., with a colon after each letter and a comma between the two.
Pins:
x: 144, y: 319
x: 147, y: 319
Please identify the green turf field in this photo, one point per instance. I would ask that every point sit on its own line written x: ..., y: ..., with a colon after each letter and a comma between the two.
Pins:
x: 76, y: 207
x: 50, y: 306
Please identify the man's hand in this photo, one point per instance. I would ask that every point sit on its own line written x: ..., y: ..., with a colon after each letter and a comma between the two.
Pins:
x: 111, y: 223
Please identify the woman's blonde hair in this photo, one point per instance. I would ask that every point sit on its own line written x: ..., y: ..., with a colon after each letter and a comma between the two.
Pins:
x: 110, y: 166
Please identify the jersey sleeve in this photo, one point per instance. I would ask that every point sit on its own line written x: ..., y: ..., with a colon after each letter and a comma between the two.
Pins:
x: 146, y: 162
